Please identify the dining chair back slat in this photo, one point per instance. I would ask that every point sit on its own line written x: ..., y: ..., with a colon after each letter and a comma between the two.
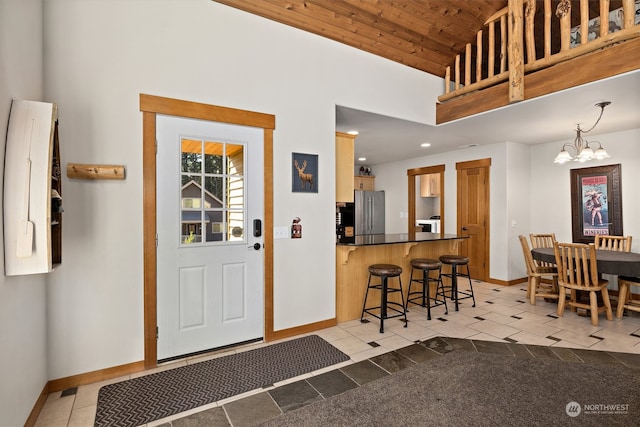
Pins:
x: 613, y: 243
x: 542, y: 241
x: 578, y: 271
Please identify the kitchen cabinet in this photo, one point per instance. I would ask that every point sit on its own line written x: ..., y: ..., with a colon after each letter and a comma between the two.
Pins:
x: 364, y: 183
x: 32, y: 190
x: 430, y: 185
x: 344, y: 167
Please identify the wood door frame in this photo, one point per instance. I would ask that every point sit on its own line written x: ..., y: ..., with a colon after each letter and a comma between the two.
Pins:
x: 472, y: 164
x: 150, y: 106
x: 411, y: 185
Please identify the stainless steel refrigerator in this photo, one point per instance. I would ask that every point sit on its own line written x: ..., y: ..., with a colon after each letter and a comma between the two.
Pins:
x: 369, y: 212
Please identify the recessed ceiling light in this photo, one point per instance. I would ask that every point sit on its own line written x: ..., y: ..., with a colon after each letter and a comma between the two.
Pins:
x: 425, y: 144
x: 362, y: 159
x: 353, y: 132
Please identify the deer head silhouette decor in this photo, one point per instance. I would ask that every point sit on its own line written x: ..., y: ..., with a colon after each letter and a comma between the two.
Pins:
x: 304, y: 177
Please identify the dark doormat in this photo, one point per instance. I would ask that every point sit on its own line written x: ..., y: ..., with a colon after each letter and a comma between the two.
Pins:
x: 141, y: 400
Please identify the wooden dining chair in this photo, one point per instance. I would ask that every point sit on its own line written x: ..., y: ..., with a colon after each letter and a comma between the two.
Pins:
x: 536, y: 270
x: 616, y: 243
x: 613, y: 243
x: 578, y: 271
x: 624, y: 295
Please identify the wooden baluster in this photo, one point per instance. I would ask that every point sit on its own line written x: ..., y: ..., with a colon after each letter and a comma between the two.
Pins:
x: 516, y: 51
x: 584, y: 22
x: 628, y: 11
x: 492, y: 48
x: 503, y: 43
x: 457, y: 72
x: 467, y: 65
x: 479, y: 56
x: 447, y: 80
x: 563, y: 12
x: 530, y: 13
x: 547, y: 28
x: 604, y: 17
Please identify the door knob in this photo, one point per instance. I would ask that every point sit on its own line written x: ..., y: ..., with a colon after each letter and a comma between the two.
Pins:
x: 256, y: 246
x: 464, y: 228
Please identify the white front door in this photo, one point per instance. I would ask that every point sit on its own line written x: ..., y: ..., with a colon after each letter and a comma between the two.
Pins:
x: 210, y: 263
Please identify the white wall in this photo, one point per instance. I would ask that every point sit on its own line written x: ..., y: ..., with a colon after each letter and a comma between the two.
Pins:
x: 526, y: 187
x: 23, y: 341
x: 519, y: 211
x: 100, y: 55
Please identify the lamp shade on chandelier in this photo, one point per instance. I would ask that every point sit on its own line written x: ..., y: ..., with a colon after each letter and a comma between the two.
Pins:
x: 579, y: 150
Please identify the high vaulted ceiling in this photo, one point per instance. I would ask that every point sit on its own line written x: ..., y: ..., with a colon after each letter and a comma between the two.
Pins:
x: 423, y: 34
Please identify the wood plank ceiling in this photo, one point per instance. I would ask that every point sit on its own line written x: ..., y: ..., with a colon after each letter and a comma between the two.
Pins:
x: 423, y: 34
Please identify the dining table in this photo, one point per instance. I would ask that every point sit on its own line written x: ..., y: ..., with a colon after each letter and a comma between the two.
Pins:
x: 609, y: 262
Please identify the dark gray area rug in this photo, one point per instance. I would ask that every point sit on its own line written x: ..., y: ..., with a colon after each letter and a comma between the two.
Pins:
x: 151, y: 397
x: 477, y: 389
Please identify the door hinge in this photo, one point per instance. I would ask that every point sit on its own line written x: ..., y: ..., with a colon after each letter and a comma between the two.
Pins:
x: 157, y: 333
x: 156, y: 240
x: 156, y: 146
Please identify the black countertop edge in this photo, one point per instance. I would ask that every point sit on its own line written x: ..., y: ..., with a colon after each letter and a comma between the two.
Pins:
x: 389, y: 239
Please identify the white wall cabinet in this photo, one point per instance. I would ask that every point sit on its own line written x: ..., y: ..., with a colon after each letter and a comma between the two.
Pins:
x: 32, y: 190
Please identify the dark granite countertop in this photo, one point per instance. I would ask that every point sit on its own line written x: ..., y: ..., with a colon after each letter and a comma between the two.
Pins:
x: 389, y: 239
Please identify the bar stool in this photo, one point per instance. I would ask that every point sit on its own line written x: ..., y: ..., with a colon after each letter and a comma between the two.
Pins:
x: 384, y: 272
x: 423, y: 297
x: 454, y: 261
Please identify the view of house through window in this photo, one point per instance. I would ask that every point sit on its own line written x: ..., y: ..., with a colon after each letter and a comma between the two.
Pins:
x: 212, y: 192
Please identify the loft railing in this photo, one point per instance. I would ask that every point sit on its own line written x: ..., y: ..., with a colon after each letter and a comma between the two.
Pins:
x: 510, y: 37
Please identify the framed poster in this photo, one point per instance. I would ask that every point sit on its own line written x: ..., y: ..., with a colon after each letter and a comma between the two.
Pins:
x: 596, y: 202
x: 304, y: 173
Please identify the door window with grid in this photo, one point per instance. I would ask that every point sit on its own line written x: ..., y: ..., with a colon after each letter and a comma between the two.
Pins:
x: 212, y: 192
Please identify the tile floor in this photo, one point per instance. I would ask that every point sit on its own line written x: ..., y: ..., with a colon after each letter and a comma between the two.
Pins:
x: 502, y: 314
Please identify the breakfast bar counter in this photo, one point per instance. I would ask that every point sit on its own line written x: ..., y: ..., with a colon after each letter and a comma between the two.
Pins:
x: 355, y: 254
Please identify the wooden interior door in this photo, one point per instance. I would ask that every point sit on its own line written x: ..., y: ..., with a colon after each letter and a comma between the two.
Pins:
x: 473, y: 214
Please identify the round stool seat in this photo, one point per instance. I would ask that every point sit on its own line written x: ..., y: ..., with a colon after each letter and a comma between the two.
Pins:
x: 389, y: 270
x: 454, y: 259
x: 426, y: 264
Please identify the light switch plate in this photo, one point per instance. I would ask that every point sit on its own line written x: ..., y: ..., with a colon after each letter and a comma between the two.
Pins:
x: 281, y: 232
